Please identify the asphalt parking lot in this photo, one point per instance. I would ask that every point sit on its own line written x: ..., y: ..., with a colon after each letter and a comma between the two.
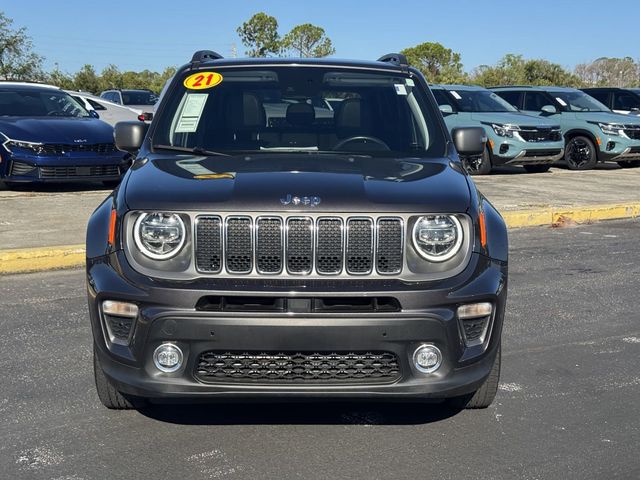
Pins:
x: 567, y: 405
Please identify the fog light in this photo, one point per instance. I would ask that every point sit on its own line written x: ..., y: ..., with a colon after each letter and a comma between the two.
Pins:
x: 167, y: 358
x: 427, y: 358
x: 475, y: 310
x: 120, y: 309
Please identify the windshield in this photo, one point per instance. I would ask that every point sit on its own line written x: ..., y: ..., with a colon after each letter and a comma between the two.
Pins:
x: 39, y: 103
x: 477, y: 101
x: 578, y: 102
x: 130, y: 97
x: 301, y: 109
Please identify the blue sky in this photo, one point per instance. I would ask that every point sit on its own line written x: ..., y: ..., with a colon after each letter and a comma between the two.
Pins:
x: 135, y: 35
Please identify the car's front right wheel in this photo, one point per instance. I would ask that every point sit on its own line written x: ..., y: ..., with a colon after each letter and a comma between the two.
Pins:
x: 484, y: 396
x: 108, y: 394
x: 580, y: 153
x: 478, y: 165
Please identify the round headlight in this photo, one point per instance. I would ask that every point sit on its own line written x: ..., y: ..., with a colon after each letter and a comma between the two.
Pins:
x: 437, y: 237
x: 159, y: 235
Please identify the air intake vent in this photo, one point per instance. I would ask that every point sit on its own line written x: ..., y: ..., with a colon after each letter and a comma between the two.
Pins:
x: 239, y: 245
x: 269, y: 245
x: 209, y: 244
x: 299, y: 245
x: 330, y: 250
x: 390, y: 244
x: 359, y: 246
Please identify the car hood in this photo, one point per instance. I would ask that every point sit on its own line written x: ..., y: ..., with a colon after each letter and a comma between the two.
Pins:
x: 260, y: 183
x: 514, y: 118
x: 57, y: 130
x: 607, y: 117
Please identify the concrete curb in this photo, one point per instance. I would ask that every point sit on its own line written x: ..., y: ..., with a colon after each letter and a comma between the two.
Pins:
x: 39, y: 259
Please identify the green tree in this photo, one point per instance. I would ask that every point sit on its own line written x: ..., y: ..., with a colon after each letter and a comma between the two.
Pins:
x: 260, y: 35
x: 515, y: 70
x: 17, y: 60
x: 60, y: 79
x: 87, y: 80
x: 308, y: 40
x: 438, y: 63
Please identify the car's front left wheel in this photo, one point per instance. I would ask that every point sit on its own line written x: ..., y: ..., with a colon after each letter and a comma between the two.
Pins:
x: 108, y: 394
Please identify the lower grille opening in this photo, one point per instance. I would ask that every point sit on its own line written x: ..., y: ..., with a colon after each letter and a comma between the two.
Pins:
x: 297, y: 367
x: 550, y: 152
x: 233, y: 303
x: 119, y: 328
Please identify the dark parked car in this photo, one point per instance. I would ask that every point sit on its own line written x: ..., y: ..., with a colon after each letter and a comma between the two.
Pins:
x: 139, y: 100
x: 252, y: 253
x: 47, y: 136
x: 620, y: 100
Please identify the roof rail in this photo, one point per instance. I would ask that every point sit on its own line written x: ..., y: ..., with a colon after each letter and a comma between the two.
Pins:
x: 204, y: 55
x: 397, y: 59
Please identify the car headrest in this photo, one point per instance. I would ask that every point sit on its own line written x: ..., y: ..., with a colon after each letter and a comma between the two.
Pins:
x: 352, y: 117
x: 246, y: 111
x: 300, y: 114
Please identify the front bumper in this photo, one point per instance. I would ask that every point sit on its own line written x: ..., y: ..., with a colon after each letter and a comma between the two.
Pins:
x: 526, y: 153
x: 168, y: 313
x: 35, y: 169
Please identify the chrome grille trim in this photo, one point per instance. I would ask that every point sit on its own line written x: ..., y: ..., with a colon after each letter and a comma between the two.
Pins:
x: 240, y: 253
x: 296, y: 259
x: 356, y: 264
x: 324, y: 252
x: 261, y: 245
x: 306, y: 245
x: 390, y: 271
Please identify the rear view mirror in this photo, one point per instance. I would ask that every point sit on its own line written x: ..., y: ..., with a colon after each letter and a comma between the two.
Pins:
x: 446, y: 108
x: 549, y: 109
x: 130, y: 135
x: 469, y: 140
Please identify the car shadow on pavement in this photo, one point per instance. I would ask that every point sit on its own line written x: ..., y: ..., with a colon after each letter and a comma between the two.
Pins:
x: 301, y: 413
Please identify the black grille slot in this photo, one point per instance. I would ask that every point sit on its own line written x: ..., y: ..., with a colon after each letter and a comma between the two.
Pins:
x: 61, y: 149
x: 549, y: 152
x: 80, y: 171
x: 239, y: 247
x: 632, y: 132
x: 474, y: 330
x: 359, y: 245
x: 209, y: 244
x: 329, y: 250
x: 298, y: 367
x: 299, y: 245
x: 540, y: 135
x: 269, y: 245
x: 119, y: 328
x: 390, y: 245
x: 20, y: 168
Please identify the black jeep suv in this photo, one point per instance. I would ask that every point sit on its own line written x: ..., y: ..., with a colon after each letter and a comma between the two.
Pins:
x: 268, y: 243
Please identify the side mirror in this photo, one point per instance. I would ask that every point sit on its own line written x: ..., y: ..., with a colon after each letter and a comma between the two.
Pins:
x: 549, y: 109
x: 145, y: 117
x: 93, y: 114
x: 446, y: 108
x: 469, y: 141
x: 130, y: 135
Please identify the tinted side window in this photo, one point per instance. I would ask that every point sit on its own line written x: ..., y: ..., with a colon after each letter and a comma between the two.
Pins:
x: 442, y: 99
x: 512, y: 97
x: 95, y: 105
x: 600, y: 96
x: 535, y: 101
x: 625, y: 101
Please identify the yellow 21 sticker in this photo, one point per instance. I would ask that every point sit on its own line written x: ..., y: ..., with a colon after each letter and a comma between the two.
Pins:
x: 202, y: 80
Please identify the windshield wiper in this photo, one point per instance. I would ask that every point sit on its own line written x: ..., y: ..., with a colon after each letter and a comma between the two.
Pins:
x: 194, y: 150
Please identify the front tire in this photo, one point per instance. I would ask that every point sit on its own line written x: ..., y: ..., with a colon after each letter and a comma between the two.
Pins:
x: 480, y: 165
x: 484, y: 396
x: 108, y: 394
x: 580, y: 153
x: 629, y: 164
x: 537, y: 168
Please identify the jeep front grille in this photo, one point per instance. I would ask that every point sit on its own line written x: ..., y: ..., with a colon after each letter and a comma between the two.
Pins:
x: 297, y: 367
x: 299, y: 245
